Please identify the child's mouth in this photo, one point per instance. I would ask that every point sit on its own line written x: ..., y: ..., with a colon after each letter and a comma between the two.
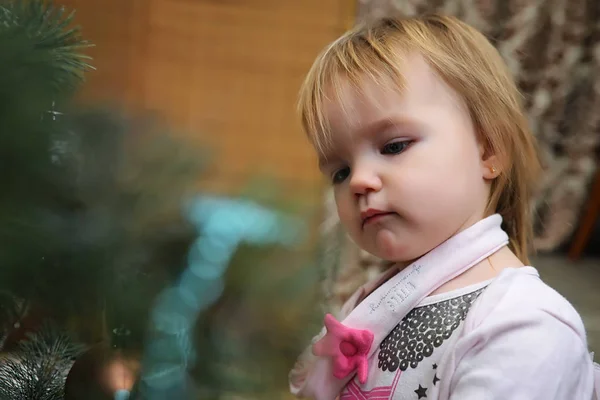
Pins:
x: 371, y: 216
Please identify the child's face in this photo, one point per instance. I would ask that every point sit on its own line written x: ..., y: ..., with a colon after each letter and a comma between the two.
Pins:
x: 410, y: 157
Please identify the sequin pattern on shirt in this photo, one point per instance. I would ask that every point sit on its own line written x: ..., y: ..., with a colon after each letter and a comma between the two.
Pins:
x: 421, y: 331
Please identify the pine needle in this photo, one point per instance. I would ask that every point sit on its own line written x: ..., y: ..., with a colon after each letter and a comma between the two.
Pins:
x: 39, y: 369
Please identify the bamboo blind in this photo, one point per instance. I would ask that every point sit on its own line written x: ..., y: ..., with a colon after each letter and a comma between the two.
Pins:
x: 225, y: 72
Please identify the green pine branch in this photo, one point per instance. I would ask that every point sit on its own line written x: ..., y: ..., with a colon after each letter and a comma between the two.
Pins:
x: 56, y: 43
x: 39, y: 369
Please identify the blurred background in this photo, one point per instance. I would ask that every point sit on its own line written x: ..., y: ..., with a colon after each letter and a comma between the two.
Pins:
x: 226, y: 73
x: 185, y: 122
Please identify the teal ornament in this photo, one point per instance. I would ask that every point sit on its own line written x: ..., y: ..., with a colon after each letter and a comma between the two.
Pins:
x: 223, y: 224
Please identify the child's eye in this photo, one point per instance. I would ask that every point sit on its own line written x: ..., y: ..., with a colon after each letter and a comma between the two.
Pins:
x: 395, y: 147
x: 340, y: 175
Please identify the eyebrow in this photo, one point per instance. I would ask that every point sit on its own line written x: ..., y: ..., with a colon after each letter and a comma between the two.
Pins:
x: 391, y: 121
x: 377, y: 126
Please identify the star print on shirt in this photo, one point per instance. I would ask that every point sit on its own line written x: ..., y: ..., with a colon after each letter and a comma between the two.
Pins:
x: 415, y: 351
x: 421, y: 392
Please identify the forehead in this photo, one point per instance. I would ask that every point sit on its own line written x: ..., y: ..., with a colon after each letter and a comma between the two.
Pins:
x: 351, y: 108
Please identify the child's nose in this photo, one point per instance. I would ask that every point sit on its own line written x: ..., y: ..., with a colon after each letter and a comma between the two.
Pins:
x: 363, y: 181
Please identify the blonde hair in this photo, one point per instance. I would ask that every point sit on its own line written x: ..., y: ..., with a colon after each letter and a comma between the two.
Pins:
x: 469, y: 64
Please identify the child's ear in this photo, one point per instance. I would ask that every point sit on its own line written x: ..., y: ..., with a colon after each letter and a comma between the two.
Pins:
x: 490, y: 165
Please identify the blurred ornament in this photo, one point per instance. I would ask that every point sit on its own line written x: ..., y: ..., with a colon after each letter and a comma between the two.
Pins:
x: 223, y: 225
x: 101, y: 373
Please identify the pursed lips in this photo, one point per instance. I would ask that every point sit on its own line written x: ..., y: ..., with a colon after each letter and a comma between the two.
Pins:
x: 372, y: 215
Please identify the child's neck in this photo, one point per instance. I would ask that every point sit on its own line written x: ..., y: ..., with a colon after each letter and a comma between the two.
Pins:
x: 485, y: 270
x: 481, y: 272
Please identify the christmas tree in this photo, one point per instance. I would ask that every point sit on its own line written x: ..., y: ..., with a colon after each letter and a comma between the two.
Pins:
x: 103, y: 234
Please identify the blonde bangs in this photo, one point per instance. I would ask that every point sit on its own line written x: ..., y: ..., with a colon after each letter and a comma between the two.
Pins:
x: 351, y: 59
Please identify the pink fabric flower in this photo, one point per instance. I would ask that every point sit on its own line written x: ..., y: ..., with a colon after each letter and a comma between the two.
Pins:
x: 348, y: 347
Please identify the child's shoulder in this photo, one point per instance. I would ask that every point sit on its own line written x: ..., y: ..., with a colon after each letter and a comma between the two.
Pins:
x: 522, y: 339
x: 520, y: 294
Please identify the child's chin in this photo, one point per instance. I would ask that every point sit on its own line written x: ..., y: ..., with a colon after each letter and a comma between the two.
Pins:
x: 389, y: 246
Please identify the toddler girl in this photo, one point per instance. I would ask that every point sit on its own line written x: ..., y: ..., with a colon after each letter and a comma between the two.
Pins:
x: 419, y: 127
